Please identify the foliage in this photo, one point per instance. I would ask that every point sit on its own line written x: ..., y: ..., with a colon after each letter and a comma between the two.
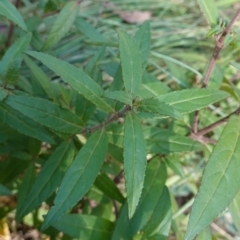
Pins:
x: 102, y: 132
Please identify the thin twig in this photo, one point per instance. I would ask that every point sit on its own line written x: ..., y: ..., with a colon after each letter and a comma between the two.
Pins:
x: 218, y: 47
x: 111, y: 119
x: 115, y: 209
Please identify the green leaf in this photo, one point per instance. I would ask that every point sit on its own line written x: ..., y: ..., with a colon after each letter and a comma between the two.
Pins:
x: 3, y: 93
x: 160, y: 140
x: 62, y: 24
x: 25, y: 187
x: 108, y: 187
x: 77, y: 79
x: 134, y: 161
x: 210, y: 11
x: 8, y: 10
x: 46, y: 113
x: 152, y: 87
x: 205, y: 234
x: 157, y: 106
x: 234, y: 209
x: 153, y: 186
x: 24, y: 124
x: 143, y: 39
x: 223, y: 171
x: 40, y: 76
x: 79, y: 177
x: 88, y: 30
x: 85, y: 227
x: 159, y: 224
x: 131, y: 63
x: 48, y: 179
x: 13, y: 52
x: 190, y: 100
x: 121, y: 96
x: 4, y: 191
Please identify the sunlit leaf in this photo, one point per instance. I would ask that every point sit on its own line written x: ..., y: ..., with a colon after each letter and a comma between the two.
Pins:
x: 223, y: 168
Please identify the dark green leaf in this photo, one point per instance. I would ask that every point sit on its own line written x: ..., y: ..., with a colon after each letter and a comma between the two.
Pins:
x: 13, y: 52
x: 157, y: 106
x: 62, y: 24
x: 24, y: 124
x: 49, y: 178
x: 223, y: 169
x: 8, y: 10
x: 143, y: 39
x: 77, y: 79
x: 134, y: 161
x: 79, y: 177
x: 108, y: 187
x: 85, y: 227
x: 131, y: 63
x: 46, y: 113
x: 190, y: 100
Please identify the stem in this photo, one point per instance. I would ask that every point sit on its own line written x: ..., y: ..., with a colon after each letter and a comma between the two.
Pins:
x: 218, y: 47
x: 108, y: 121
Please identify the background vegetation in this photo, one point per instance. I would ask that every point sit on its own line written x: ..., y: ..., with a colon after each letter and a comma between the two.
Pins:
x: 47, y: 119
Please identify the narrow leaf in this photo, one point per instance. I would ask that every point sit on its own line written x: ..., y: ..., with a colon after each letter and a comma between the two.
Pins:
x: 131, y: 62
x: 8, y: 10
x: 220, y: 182
x: 77, y: 79
x: 46, y: 113
x: 49, y: 178
x: 210, y: 11
x: 13, y: 52
x: 121, y: 96
x: 205, y: 234
x: 23, y: 124
x: 4, y: 191
x: 79, y: 177
x: 85, y: 227
x: 26, y: 185
x: 152, y: 87
x: 62, y: 24
x: 234, y: 209
x: 134, y: 161
x: 3, y: 93
x: 143, y: 39
x: 108, y: 187
x: 190, y: 100
x: 157, y: 106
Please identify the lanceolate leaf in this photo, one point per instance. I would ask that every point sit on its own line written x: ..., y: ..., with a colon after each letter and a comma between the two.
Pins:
x: 85, y: 227
x: 157, y: 106
x: 210, y: 11
x: 13, y: 52
x: 62, y: 24
x: 223, y: 169
x: 79, y: 177
x: 4, y: 191
x: 143, y: 39
x: 49, y: 178
x: 77, y: 79
x: 8, y: 10
x: 121, y: 96
x: 160, y: 221
x: 46, y: 113
x: 3, y: 93
x: 25, y: 187
x: 134, y: 161
x: 131, y: 62
x: 108, y: 187
x: 190, y: 100
x: 24, y: 124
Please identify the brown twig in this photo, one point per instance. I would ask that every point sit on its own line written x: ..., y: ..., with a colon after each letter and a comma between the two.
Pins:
x: 112, y: 118
x: 218, y: 47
